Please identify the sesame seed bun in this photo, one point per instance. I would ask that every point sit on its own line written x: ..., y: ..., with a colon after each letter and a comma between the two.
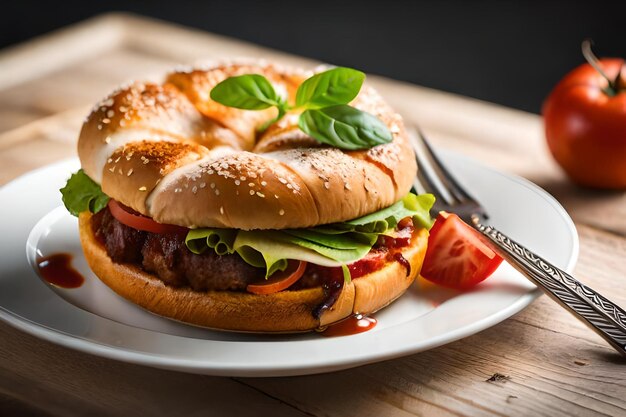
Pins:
x: 171, y: 153
x: 281, y: 312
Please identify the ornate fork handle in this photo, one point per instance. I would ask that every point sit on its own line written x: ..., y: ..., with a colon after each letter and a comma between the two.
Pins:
x: 600, y: 314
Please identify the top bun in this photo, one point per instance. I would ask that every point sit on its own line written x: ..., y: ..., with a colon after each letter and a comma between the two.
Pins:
x: 171, y: 153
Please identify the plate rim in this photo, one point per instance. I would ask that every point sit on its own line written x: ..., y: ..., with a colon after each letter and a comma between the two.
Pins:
x: 194, y: 365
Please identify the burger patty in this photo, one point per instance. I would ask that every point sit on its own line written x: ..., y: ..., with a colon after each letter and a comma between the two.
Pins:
x: 167, y: 256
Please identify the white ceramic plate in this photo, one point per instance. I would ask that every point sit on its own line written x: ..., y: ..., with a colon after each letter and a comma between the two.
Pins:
x: 93, y: 319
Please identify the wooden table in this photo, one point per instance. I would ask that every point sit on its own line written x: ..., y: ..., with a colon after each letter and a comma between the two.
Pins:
x: 549, y: 362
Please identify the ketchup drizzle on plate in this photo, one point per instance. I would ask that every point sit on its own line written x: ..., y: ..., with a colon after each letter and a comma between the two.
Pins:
x: 354, y: 324
x: 57, y: 269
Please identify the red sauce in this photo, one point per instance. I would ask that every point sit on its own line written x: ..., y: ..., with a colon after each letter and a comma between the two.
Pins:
x: 357, y: 323
x: 57, y: 269
x: 402, y: 260
x: 373, y: 261
x: 400, y: 238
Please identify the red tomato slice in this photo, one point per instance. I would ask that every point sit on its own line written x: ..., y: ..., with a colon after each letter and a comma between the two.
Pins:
x: 279, y: 280
x: 140, y: 222
x: 457, y: 256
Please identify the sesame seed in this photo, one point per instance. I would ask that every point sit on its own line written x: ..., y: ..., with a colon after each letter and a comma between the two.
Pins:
x: 251, y: 184
x: 107, y: 139
x: 202, y: 184
x: 178, y: 190
x: 260, y: 194
x: 221, y: 209
x: 281, y: 212
x: 237, y: 182
x: 99, y: 127
x: 212, y: 185
x: 130, y: 171
x: 106, y: 121
x: 110, y: 113
x: 145, y: 161
x: 284, y: 181
x: 275, y: 195
x: 327, y: 185
x: 109, y: 160
x: 252, y: 175
x: 194, y: 189
x: 118, y: 159
x: 289, y: 186
x: 142, y: 188
x: 242, y: 178
x: 217, y: 192
x: 263, y: 183
x: 251, y: 192
x: 210, y: 172
x: 112, y: 169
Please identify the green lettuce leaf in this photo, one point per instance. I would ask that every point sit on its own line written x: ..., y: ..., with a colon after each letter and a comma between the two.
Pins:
x: 338, y: 240
x: 334, y: 245
x: 81, y: 193
x: 220, y: 240
x: 417, y: 206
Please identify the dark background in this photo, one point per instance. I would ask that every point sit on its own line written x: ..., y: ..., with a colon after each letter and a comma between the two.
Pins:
x: 506, y: 52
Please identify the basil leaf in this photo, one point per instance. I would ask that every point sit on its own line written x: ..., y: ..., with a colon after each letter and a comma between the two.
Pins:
x: 247, y: 92
x: 344, y: 127
x: 81, y: 194
x: 328, y: 88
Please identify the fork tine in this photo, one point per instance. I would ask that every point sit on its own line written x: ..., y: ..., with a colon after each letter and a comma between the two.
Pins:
x: 447, y: 178
x: 435, y: 178
x: 443, y: 174
x: 428, y: 179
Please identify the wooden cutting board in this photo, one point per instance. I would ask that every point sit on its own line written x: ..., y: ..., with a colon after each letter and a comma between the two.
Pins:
x: 550, y: 363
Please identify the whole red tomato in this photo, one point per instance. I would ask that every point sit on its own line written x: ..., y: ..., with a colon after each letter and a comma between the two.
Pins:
x: 585, y: 123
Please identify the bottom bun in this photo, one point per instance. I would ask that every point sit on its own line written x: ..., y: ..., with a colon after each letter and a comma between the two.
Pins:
x: 281, y: 312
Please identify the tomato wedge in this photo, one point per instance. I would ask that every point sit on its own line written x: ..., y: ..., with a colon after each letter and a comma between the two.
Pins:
x: 279, y: 280
x: 141, y: 222
x: 457, y: 256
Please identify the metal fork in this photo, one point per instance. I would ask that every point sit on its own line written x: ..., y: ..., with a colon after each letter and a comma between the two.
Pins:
x: 596, y: 311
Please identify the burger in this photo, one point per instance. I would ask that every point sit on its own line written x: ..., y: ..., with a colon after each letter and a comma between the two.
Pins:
x: 250, y: 197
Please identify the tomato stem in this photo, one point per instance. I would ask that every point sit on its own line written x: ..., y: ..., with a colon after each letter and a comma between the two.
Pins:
x: 592, y: 59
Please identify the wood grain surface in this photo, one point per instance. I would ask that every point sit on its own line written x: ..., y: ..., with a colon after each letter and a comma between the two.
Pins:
x: 539, y: 362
